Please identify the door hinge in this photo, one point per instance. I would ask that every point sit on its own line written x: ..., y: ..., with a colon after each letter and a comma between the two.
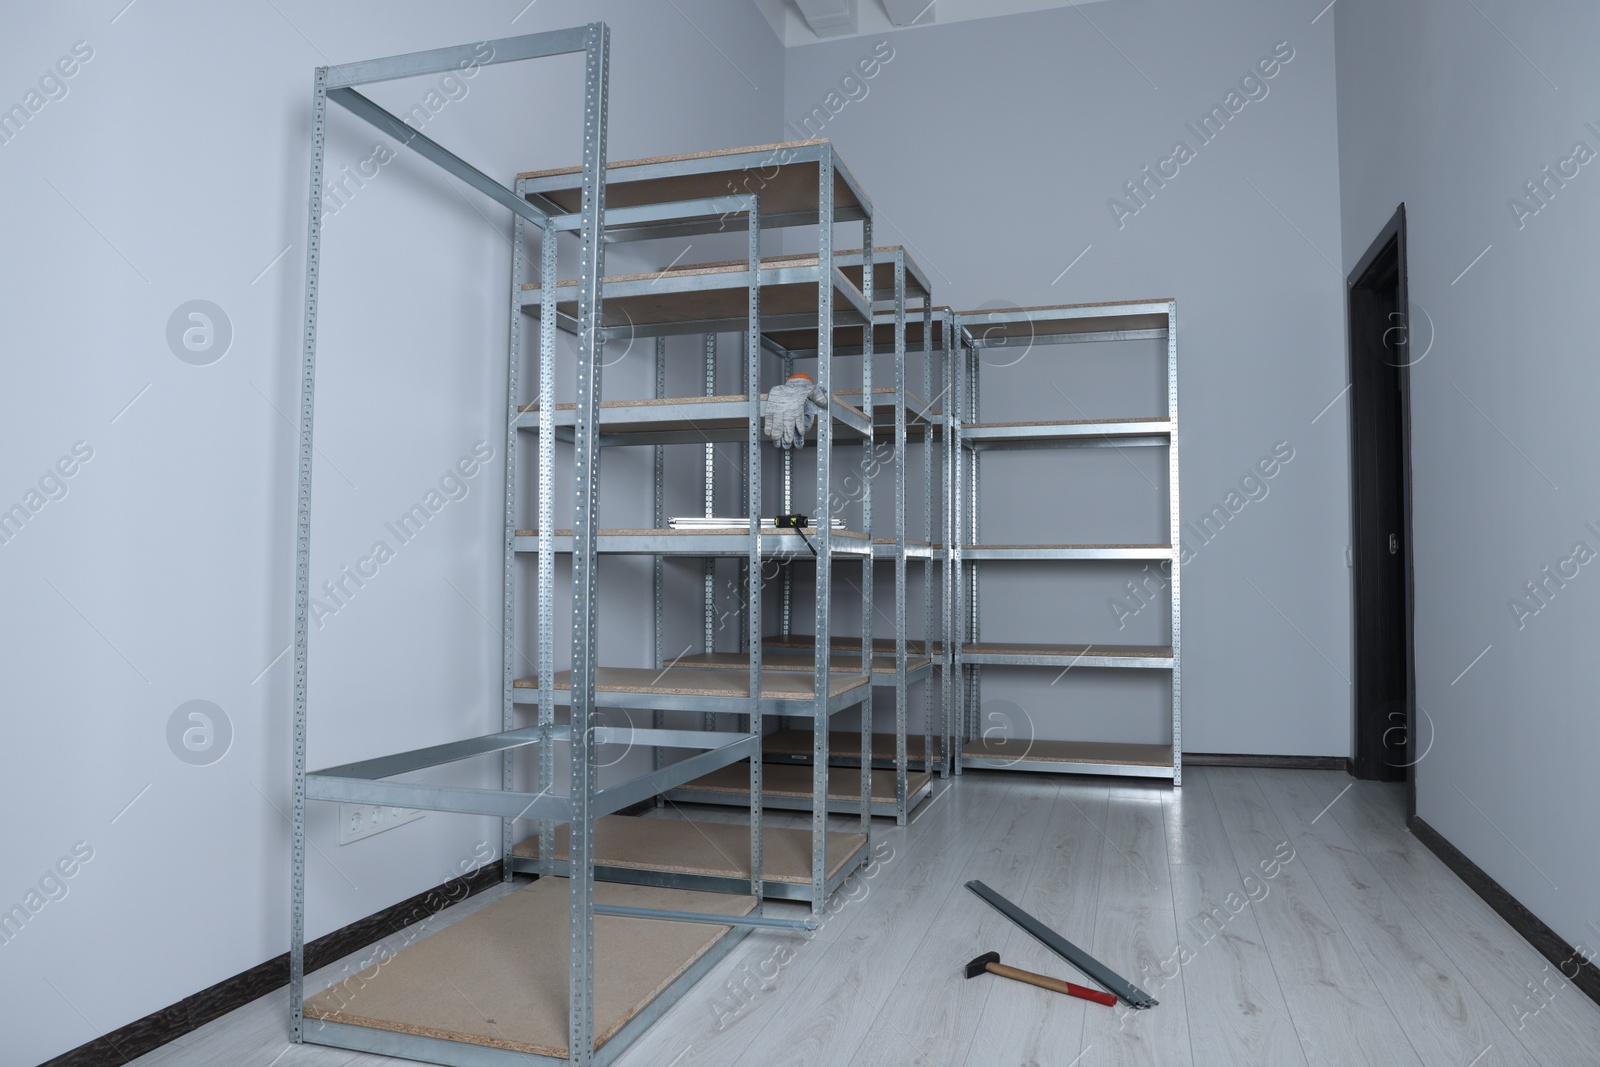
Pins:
x: 1394, y: 543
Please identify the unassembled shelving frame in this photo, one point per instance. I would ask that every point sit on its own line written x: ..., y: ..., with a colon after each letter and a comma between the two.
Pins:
x: 803, y: 183
x: 1041, y: 327
x: 370, y: 781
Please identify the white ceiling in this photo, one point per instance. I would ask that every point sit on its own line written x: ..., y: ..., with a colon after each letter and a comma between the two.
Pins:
x: 792, y: 30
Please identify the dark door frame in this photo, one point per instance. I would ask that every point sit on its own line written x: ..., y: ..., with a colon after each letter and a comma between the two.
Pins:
x: 1389, y: 246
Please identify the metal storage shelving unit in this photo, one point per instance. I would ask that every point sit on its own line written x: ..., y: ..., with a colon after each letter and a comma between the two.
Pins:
x: 575, y: 1033
x: 899, y: 660
x: 1078, y: 323
x: 807, y: 186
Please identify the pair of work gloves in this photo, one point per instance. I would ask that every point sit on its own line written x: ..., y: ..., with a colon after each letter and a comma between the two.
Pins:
x: 791, y: 409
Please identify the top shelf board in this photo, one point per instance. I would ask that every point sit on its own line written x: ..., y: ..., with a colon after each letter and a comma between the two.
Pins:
x: 1066, y: 323
x: 783, y: 176
x: 706, y: 300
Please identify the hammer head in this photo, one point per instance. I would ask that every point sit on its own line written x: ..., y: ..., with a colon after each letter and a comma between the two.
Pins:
x: 981, y: 964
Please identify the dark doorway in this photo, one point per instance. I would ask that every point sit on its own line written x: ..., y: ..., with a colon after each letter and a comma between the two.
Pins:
x: 1384, y: 344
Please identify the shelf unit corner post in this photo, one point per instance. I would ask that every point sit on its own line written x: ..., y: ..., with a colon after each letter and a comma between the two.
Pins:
x: 585, y: 614
x: 302, y: 560
x: 822, y: 663
x: 508, y: 590
x: 1173, y: 504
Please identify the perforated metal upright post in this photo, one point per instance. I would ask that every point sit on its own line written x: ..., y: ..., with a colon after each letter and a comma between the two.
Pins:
x: 746, y: 576
x: 709, y: 565
x: 585, y: 614
x: 658, y: 718
x: 302, y: 562
x: 869, y: 443
x: 752, y: 487
x: 545, y: 656
x: 900, y: 784
x: 785, y: 568
x: 508, y: 592
x: 1177, y: 541
x: 824, y: 563
x: 975, y: 672
x: 928, y: 434
x: 956, y: 531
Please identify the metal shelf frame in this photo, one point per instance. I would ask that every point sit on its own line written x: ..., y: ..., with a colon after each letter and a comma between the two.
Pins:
x: 676, y: 303
x: 970, y: 438
x: 905, y: 277
x: 370, y: 780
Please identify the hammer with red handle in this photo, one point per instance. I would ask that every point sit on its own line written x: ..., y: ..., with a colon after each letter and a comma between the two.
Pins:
x: 990, y: 962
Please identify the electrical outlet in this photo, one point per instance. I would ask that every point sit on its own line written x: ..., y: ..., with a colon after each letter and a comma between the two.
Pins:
x: 363, y: 820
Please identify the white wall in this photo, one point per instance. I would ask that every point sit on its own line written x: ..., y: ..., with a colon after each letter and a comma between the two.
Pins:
x: 991, y: 149
x: 173, y: 169
x: 1452, y: 114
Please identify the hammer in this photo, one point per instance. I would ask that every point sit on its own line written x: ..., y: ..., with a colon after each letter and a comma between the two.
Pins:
x: 990, y: 962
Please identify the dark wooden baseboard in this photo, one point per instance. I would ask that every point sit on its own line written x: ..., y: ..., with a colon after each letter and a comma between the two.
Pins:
x: 1286, y: 763
x: 128, y: 1043
x: 1565, y: 958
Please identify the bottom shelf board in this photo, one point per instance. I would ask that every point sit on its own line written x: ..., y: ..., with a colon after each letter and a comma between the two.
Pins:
x: 705, y: 849
x: 781, y: 782
x: 498, y: 978
x: 845, y: 744
x: 1072, y: 757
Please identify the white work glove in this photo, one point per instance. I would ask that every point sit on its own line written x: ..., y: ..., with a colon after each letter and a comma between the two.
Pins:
x: 791, y: 409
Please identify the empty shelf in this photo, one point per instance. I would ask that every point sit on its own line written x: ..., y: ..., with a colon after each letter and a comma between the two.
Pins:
x: 734, y: 541
x: 880, y: 645
x: 692, y: 419
x: 498, y: 977
x: 1063, y: 323
x: 851, y: 262
x: 802, y: 343
x: 843, y: 662
x: 1069, y: 433
x: 975, y: 653
x: 690, y: 689
x: 706, y: 300
x: 783, y: 175
x: 1064, y: 552
x: 785, y: 785
x: 842, y: 745
x: 883, y: 548
x: 1070, y: 757
x: 719, y: 850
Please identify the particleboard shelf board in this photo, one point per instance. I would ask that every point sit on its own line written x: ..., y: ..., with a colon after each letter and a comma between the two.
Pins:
x: 705, y: 295
x: 847, y: 339
x: 794, y: 781
x: 880, y: 645
x: 784, y: 187
x: 1012, y: 648
x: 498, y: 978
x: 842, y: 662
x: 1011, y: 324
x: 678, y: 681
x: 843, y: 744
x: 1088, y: 752
x: 882, y: 270
x: 709, y: 849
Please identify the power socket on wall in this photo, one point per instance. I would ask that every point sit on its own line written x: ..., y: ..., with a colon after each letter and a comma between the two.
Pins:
x: 363, y: 820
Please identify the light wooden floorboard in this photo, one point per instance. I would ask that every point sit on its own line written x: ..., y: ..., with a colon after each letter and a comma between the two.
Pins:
x: 1518, y: 984
x: 1360, y: 949
x: 1446, y: 1020
x: 1236, y: 1008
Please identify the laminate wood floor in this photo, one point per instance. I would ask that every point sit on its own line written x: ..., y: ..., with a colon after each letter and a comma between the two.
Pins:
x: 1281, y: 918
